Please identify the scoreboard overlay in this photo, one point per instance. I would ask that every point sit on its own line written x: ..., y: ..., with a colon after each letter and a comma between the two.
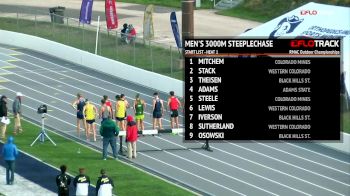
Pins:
x: 262, y: 89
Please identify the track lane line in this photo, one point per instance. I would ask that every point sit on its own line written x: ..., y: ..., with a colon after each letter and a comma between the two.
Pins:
x: 347, y: 163
x: 308, y: 160
x: 230, y: 165
x: 262, y: 154
x: 213, y: 170
x: 82, y: 74
x: 205, y: 179
x: 80, y: 89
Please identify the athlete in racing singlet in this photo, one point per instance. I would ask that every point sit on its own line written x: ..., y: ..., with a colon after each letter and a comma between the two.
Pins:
x: 78, y: 104
x: 90, y: 112
x: 139, y: 107
x: 120, y: 111
x: 158, y: 110
x: 173, y: 104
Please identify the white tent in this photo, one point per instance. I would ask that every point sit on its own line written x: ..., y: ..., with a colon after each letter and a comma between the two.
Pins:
x: 312, y: 20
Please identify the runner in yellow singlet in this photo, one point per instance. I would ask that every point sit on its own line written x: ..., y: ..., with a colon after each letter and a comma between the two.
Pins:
x: 120, y: 111
x: 89, y: 113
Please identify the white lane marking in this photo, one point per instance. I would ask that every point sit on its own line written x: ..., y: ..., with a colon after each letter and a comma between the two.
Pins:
x: 146, y: 155
x: 110, y: 157
x: 73, y: 115
x: 262, y: 154
x: 347, y: 163
x: 314, y: 162
x: 192, y: 174
x: 146, y: 123
x: 51, y: 97
x: 84, y: 75
x: 151, y: 146
x: 213, y: 170
x: 265, y: 178
x: 59, y: 86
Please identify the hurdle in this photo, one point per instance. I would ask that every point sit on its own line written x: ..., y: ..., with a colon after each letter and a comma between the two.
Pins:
x: 152, y: 132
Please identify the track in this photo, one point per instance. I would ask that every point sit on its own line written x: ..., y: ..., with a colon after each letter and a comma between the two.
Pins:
x: 234, y: 168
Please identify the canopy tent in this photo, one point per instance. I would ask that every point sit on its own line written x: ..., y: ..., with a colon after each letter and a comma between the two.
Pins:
x: 312, y: 20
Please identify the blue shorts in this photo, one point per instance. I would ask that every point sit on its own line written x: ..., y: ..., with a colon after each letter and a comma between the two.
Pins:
x: 157, y: 114
x: 80, y: 115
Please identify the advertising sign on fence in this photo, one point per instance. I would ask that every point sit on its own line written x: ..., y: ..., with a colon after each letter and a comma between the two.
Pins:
x: 111, y: 14
x: 175, y: 28
x: 86, y: 11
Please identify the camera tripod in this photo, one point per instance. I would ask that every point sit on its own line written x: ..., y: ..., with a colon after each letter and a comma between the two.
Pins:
x: 42, y: 133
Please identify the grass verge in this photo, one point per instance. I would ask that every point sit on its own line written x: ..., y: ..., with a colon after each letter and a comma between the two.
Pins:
x: 165, y: 61
x: 265, y: 10
x: 128, y: 180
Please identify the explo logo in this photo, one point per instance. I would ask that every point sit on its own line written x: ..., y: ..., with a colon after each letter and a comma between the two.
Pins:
x: 308, y: 12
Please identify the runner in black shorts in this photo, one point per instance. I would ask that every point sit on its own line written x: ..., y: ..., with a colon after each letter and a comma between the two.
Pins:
x: 174, y: 113
x: 90, y: 121
x: 78, y: 104
x: 174, y: 104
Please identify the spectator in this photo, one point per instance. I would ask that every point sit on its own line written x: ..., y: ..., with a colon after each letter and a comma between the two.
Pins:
x: 3, y: 116
x: 78, y: 105
x: 124, y: 33
x: 81, y: 183
x: 158, y: 110
x: 131, y: 34
x: 10, y: 153
x: 104, y: 184
x: 174, y: 104
x: 63, y: 182
x: 109, y: 130
x: 89, y: 112
x: 17, y: 112
x: 131, y: 137
x: 139, y: 107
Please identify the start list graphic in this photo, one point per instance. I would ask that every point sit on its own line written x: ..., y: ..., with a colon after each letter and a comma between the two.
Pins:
x: 262, y: 89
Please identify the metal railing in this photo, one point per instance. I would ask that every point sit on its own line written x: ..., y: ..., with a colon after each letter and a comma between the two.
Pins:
x: 165, y: 59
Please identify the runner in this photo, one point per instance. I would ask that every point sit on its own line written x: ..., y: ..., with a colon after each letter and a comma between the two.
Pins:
x: 120, y: 111
x: 108, y: 103
x: 105, y: 111
x: 78, y: 105
x: 139, y: 107
x: 174, y: 104
x: 89, y: 112
x: 158, y: 110
x: 122, y: 96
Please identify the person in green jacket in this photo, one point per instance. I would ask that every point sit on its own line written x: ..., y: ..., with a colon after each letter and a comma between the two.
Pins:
x: 109, y: 130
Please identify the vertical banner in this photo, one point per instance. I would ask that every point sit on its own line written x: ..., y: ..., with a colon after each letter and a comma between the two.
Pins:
x: 111, y: 14
x: 86, y: 11
x: 148, y: 31
x: 175, y: 28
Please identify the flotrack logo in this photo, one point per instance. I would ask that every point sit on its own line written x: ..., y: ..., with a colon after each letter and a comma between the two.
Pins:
x: 313, y: 43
